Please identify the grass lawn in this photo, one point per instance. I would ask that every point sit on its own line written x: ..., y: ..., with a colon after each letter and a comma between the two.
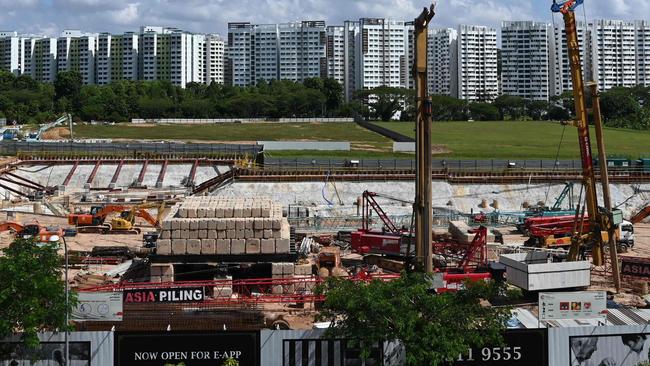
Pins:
x: 360, y: 138
x: 523, y: 140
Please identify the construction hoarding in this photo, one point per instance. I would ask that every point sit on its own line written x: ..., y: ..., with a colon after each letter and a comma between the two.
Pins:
x: 192, y: 349
x: 572, y: 305
x: 86, y: 348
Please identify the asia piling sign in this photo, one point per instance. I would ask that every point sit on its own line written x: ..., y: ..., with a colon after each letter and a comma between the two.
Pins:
x: 572, y: 305
x: 635, y: 267
x: 164, y: 295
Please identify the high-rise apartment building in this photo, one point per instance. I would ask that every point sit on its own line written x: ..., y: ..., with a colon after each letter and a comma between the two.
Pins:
x: 214, y: 59
x: 10, y: 52
x: 381, y: 53
x: 442, y: 61
x: 171, y: 54
x: 613, y: 54
x: 335, y: 53
x: 477, y: 63
x: 117, y: 57
x: 561, y: 70
x: 288, y: 51
x: 525, y: 69
x: 76, y: 52
x: 642, y: 52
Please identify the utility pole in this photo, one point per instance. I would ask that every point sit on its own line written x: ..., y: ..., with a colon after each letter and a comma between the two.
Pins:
x: 423, y: 197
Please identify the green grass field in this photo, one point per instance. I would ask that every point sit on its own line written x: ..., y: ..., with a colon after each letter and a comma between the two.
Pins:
x: 523, y: 140
x: 460, y: 140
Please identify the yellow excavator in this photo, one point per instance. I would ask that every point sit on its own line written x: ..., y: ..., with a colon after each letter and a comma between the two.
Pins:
x: 126, y: 221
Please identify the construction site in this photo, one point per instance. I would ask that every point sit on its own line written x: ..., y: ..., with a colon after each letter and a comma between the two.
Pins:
x: 213, y: 242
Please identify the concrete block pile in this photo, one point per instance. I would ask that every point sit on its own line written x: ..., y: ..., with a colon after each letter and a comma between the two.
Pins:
x: 459, y: 231
x: 162, y: 273
x: 225, y: 226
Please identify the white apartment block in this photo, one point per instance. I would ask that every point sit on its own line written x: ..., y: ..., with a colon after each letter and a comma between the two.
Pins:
x: 525, y: 70
x: 335, y: 53
x: 171, y: 54
x: 43, y: 59
x: 288, y: 51
x: 477, y: 63
x: 239, y: 65
x: 442, y: 61
x: 214, y: 59
x: 76, y: 52
x: 10, y: 52
x: 613, y: 54
x: 561, y: 71
x: 381, y: 53
x: 642, y: 52
x: 117, y: 57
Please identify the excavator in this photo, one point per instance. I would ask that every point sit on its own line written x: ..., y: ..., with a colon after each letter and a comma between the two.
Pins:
x: 33, y: 230
x: 95, y: 221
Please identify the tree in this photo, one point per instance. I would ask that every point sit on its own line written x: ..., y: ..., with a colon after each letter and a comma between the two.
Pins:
x: 433, y: 328
x: 32, y: 295
x: 385, y: 101
x: 483, y: 111
x: 536, y: 109
x: 446, y: 108
x: 509, y: 106
x: 68, y: 84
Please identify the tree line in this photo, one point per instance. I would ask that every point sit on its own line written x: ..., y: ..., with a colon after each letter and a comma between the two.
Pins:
x: 27, y: 101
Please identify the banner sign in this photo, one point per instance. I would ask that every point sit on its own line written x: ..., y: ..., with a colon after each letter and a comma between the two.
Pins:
x: 521, y: 347
x: 635, y: 267
x: 572, y: 305
x: 191, y: 349
x: 618, y: 349
x: 98, y: 306
x: 164, y: 295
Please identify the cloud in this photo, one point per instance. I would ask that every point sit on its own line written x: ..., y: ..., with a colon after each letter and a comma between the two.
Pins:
x: 117, y: 16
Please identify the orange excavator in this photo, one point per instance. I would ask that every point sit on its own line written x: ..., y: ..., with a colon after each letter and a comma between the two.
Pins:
x: 33, y: 230
x: 95, y: 221
x: 641, y: 215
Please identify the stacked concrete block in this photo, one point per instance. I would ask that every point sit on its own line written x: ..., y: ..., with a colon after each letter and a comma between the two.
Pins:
x: 222, y: 226
x: 282, y: 270
x: 161, y: 273
x: 459, y: 230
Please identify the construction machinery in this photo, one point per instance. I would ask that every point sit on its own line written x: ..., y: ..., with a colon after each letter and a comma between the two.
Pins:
x: 41, y: 233
x: 125, y: 223
x: 36, y: 136
x: 602, y: 219
x: 95, y: 221
x: 390, y: 240
x: 328, y: 263
x: 640, y: 216
x: 389, y: 247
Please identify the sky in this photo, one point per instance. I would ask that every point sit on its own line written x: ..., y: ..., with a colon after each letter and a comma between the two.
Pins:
x: 49, y: 17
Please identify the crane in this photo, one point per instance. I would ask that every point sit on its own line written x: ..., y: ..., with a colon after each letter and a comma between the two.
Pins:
x: 603, y: 220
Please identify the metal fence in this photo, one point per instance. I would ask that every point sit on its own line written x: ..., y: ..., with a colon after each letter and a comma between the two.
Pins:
x: 239, y: 120
x: 483, y: 165
x: 125, y: 149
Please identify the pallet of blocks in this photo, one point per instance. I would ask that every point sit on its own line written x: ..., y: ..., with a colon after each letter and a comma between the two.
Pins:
x: 224, y: 226
x: 459, y: 230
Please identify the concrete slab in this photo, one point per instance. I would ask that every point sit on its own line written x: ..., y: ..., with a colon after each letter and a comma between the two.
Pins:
x: 128, y: 174
x: 104, y: 175
x: 151, y: 175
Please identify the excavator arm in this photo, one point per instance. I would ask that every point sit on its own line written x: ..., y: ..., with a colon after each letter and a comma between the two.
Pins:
x: 640, y: 216
x: 13, y: 226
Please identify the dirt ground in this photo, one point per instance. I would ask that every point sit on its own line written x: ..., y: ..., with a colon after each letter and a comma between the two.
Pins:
x: 81, y: 242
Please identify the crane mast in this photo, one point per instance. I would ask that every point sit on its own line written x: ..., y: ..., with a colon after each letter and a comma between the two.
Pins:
x: 423, y: 195
x: 603, y: 220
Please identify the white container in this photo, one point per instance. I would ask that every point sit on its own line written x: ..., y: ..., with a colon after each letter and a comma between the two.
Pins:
x: 534, y: 272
